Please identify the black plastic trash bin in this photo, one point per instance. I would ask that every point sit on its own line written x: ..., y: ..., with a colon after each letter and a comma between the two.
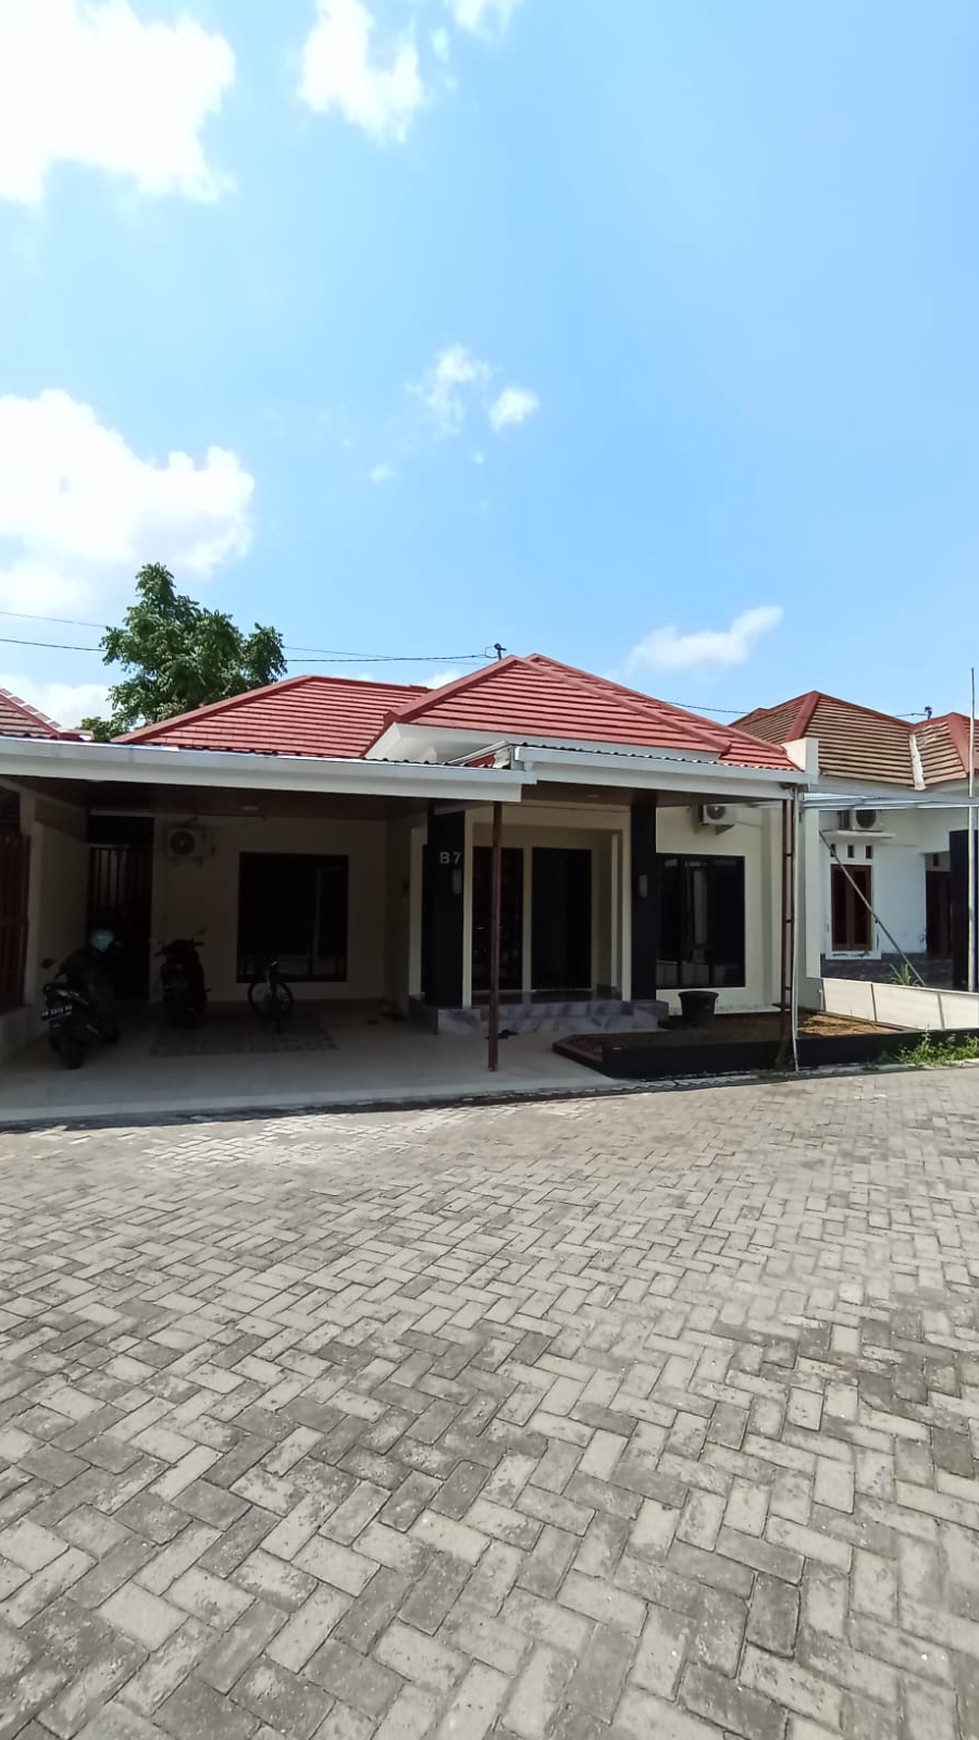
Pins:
x: 698, y: 1007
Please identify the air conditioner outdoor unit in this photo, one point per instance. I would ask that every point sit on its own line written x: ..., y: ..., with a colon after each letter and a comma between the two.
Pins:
x: 187, y: 844
x: 858, y: 821
x: 719, y: 816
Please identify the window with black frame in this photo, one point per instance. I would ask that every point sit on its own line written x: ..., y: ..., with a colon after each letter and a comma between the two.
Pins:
x: 701, y: 922
x: 292, y: 907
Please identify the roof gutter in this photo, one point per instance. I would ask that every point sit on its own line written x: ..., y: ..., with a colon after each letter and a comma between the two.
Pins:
x: 152, y: 764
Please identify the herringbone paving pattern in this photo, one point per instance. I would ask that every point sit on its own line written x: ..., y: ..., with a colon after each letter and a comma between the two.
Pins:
x: 654, y: 1416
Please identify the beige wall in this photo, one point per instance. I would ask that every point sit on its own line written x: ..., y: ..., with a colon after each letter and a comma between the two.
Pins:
x: 58, y: 904
x: 189, y: 897
x: 56, y: 909
x: 605, y: 831
x: 677, y: 830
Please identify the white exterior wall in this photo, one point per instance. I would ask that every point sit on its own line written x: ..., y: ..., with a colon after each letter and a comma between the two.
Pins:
x: 756, y: 838
x: 188, y: 897
x: 901, y: 851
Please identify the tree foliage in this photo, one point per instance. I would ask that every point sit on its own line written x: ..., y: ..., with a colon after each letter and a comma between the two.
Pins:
x: 175, y: 656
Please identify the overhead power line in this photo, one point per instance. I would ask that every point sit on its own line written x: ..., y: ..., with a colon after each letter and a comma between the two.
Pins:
x: 320, y: 655
x: 315, y: 654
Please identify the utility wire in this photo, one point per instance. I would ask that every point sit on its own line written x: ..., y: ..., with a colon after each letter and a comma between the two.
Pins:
x: 324, y: 654
x: 329, y: 656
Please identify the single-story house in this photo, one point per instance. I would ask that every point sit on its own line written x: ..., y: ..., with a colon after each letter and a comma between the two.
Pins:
x: 882, y: 863
x: 345, y: 827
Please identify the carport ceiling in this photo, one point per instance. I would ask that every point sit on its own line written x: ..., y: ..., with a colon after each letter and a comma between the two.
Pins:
x: 182, y: 800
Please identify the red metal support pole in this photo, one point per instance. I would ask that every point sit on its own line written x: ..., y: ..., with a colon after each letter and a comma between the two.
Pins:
x: 496, y: 910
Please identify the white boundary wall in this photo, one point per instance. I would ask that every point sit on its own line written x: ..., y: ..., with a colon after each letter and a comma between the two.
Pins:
x: 895, y: 1005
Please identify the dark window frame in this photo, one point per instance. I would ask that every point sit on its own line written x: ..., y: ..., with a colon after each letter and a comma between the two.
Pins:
x: 15, y: 871
x: 253, y: 950
x: 702, y: 921
x: 851, y: 922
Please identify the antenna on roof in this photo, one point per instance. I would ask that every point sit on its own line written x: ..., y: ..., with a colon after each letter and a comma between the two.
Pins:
x: 928, y: 712
x: 498, y: 649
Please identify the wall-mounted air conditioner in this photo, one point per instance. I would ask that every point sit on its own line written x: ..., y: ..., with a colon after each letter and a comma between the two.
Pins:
x: 188, y: 845
x: 859, y: 821
x: 717, y: 816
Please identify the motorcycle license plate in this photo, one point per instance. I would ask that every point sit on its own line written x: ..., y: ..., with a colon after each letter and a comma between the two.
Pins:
x: 56, y: 1012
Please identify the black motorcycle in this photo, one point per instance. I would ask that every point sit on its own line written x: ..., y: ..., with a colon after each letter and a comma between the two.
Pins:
x: 80, y: 1003
x: 182, y: 978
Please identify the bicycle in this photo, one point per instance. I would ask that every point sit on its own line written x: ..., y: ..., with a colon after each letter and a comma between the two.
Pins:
x: 270, y: 997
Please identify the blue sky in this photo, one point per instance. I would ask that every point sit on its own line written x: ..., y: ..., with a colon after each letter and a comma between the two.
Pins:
x: 641, y: 334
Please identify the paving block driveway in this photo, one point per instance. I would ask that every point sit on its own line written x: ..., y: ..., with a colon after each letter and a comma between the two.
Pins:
x: 657, y: 1416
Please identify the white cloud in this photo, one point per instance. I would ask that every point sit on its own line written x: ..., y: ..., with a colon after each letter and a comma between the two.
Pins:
x: 339, y: 71
x: 455, y: 373
x: 440, y: 678
x: 66, y: 703
x: 481, y: 16
x: 458, y: 380
x: 441, y: 45
x: 514, y: 405
x: 93, y: 83
x: 80, y: 511
x: 381, y: 473
x: 666, y: 649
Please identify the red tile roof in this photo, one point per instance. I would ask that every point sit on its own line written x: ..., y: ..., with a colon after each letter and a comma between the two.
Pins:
x: 529, y: 697
x: 18, y: 719
x: 334, y: 716
x: 858, y: 743
x: 540, y: 697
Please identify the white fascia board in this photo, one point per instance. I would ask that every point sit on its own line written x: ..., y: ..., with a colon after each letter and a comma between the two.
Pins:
x: 153, y: 764
x: 847, y: 796
x: 659, y: 773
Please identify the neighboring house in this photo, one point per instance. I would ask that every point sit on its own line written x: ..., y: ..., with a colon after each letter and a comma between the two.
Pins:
x: 345, y: 826
x: 891, y: 817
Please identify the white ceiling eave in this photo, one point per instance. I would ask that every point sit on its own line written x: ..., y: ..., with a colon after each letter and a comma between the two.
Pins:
x: 649, y: 770
x: 154, y: 764
x: 590, y: 763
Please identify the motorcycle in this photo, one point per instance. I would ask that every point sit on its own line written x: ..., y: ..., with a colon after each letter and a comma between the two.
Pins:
x: 80, y: 1002
x: 182, y: 978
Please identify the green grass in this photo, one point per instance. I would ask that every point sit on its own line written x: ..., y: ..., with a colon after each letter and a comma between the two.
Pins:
x: 932, y: 1053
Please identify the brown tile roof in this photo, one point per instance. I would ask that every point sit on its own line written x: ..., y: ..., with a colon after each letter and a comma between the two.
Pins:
x: 943, y: 745
x: 19, y: 719
x: 858, y: 743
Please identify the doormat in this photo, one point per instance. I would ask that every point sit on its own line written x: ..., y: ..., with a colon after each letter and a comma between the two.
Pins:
x: 244, y: 1035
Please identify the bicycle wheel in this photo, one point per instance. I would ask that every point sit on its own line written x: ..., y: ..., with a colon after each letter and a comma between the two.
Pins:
x: 273, y: 1002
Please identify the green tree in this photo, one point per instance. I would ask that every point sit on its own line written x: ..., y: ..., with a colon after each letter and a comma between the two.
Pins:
x: 176, y: 655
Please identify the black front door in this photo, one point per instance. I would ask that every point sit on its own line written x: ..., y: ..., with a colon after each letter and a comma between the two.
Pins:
x: 561, y: 952
x: 511, y: 920
x: 120, y: 895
